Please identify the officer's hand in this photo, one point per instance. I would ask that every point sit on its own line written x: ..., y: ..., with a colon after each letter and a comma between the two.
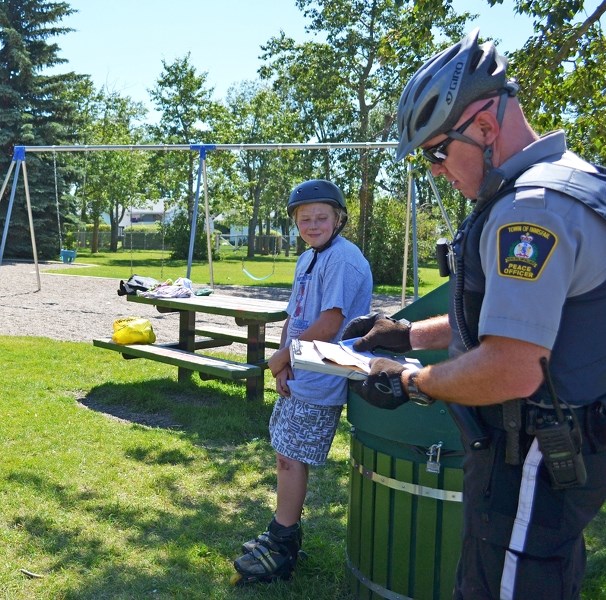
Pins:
x: 376, y: 330
x: 383, y: 386
x: 361, y: 326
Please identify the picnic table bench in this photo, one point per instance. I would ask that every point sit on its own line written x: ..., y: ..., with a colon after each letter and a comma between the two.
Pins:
x: 251, y: 313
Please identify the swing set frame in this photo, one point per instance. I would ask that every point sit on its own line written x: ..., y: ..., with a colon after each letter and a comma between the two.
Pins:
x: 19, y: 163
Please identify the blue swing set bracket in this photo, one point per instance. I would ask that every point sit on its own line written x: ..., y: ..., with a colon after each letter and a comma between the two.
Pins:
x: 202, y: 148
x: 19, y: 153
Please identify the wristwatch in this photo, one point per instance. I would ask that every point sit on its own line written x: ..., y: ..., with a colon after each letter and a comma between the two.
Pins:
x: 415, y: 394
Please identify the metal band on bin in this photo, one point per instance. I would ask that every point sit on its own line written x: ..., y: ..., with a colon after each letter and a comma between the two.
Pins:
x: 410, y: 488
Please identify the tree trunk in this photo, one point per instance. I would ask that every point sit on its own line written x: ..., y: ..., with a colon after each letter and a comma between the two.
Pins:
x: 252, y: 228
x: 370, y: 171
x: 94, y: 244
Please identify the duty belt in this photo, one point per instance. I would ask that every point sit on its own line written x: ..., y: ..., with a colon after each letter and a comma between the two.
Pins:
x: 519, y: 417
x: 510, y: 417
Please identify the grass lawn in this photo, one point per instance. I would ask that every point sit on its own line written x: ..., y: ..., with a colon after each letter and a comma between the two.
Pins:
x: 110, y: 507
x: 268, y: 271
x: 120, y: 483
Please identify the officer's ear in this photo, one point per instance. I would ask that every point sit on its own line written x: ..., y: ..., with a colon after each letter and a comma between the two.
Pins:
x: 489, y: 126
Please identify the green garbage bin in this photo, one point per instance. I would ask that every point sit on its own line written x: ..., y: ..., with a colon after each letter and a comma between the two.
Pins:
x: 405, y: 512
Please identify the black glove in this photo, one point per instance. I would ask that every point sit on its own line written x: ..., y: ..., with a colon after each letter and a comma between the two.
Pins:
x: 383, y: 386
x: 376, y: 330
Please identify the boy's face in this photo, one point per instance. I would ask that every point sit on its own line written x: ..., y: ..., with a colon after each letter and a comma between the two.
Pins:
x: 316, y: 223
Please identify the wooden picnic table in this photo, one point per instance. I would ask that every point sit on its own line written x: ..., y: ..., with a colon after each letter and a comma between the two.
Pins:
x: 251, y: 313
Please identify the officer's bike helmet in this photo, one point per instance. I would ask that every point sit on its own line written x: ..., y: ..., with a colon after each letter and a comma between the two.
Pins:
x: 438, y: 93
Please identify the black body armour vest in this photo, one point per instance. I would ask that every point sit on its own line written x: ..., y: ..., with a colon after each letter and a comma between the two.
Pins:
x: 578, y: 360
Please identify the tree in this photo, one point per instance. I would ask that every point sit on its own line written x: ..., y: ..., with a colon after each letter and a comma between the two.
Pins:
x: 265, y: 178
x: 35, y: 109
x: 186, y: 115
x: 371, y: 48
x: 114, y: 180
x: 562, y: 72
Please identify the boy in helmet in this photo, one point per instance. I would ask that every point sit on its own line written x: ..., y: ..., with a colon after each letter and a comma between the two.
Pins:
x: 525, y: 329
x: 332, y: 285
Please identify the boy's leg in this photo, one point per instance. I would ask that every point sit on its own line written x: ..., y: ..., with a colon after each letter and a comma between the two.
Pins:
x: 301, y: 434
x: 292, y: 488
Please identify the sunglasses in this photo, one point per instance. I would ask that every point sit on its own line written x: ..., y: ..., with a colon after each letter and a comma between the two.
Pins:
x: 436, y: 155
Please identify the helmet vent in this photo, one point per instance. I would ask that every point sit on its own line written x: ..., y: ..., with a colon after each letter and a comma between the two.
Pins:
x: 422, y: 86
x: 426, y: 113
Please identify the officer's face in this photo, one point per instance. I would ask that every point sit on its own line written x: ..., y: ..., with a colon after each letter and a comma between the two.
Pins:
x: 461, y: 163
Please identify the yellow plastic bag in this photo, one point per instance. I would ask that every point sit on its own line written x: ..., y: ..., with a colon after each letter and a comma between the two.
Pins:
x: 133, y: 330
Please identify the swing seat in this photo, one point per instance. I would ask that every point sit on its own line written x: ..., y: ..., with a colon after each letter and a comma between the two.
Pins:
x: 68, y: 256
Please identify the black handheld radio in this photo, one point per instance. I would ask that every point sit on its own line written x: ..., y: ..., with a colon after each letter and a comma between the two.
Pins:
x: 560, y: 442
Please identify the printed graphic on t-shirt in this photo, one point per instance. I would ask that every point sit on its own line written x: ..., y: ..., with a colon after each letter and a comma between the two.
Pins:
x: 524, y: 250
x: 298, y: 323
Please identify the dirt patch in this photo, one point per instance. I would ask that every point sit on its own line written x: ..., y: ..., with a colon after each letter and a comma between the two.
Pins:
x: 80, y: 308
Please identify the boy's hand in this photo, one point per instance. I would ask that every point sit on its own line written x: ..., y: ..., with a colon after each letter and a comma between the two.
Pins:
x: 377, y: 330
x: 278, y: 361
x: 282, y: 382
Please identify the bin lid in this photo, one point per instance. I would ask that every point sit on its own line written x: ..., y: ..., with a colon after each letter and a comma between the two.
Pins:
x: 411, y: 424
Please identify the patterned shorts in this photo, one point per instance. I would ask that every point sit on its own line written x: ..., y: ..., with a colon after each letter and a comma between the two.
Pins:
x: 303, y: 431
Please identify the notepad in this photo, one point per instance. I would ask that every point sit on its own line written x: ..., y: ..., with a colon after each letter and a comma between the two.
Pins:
x: 339, y: 359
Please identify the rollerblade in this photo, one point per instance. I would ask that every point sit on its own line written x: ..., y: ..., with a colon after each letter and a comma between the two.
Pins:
x: 250, y: 545
x: 272, y: 555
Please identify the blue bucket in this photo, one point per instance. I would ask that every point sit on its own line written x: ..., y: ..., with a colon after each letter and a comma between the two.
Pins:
x: 68, y: 256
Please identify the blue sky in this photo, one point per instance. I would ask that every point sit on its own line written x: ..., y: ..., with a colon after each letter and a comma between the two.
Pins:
x: 121, y: 43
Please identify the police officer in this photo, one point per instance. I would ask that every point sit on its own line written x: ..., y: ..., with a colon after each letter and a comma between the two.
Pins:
x: 526, y: 329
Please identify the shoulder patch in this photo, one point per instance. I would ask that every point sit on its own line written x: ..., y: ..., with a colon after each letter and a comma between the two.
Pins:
x: 524, y: 249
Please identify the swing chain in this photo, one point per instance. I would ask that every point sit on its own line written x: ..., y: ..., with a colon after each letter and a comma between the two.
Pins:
x: 57, y: 201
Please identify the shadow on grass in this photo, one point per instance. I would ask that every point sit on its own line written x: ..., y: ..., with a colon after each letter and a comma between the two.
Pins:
x: 205, y: 412
x: 190, y: 536
x: 594, y: 587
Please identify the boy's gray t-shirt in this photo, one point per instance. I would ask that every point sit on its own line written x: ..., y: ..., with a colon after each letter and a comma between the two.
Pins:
x: 341, y: 278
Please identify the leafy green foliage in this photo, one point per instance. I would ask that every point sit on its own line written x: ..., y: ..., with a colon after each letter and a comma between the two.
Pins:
x: 263, y: 179
x: 35, y: 109
x: 187, y: 114
x: 386, y: 243
x: 562, y: 71
x: 114, y: 181
x: 346, y: 88
x: 178, y: 235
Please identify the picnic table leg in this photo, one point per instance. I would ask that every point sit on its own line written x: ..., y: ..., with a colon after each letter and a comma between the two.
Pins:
x: 255, y: 355
x: 187, y: 339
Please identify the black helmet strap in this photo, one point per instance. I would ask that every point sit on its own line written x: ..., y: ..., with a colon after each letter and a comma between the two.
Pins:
x: 510, y: 89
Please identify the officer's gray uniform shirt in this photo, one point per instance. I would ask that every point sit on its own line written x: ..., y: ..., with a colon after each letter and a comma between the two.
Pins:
x: 534, y: 252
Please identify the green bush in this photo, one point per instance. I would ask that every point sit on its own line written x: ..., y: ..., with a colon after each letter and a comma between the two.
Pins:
x: 177, y: 237
x: 386, y: 243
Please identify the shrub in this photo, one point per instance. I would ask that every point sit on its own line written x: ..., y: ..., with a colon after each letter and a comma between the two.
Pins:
x: 177, y: 237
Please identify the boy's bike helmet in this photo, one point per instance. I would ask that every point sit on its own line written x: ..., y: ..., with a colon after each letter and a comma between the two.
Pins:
x: 438, y: 93
x: 316, y: 190
x: 319, y: 190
